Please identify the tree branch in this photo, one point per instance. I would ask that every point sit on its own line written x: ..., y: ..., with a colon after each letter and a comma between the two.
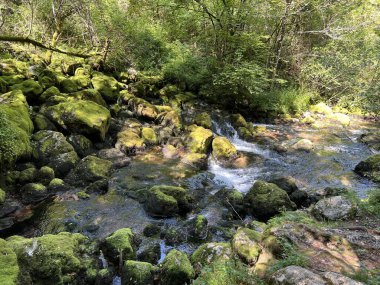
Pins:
x: 41, y: 45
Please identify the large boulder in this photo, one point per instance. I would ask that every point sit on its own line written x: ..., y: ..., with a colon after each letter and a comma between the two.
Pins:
x: 129, y: 140
x: 211, y: 252
x: 120, y: 245
x: 176, y: 269
x: 334, y: 208
x: 370, y: 168
x: 166, y: 201
x: 199, y: 140
x: 171, y: 119
x: 142, y: 108
x: 203, y: 120
x: 238, y: 121
x: 296, y: 275
x: 83, y: 117
x: 267, y: 199
x: 15, y: 127
x: 52, y: 259
x: 52, y: 149
x: 89, y: 95
x: 107, y: 86
x: 89, y: 170
x: 223, y: 149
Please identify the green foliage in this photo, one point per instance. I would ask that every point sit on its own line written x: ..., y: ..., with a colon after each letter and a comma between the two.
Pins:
x: 369, y: 277
x: 292, y: 216
x: 291, y: 100
x: 371, y: 205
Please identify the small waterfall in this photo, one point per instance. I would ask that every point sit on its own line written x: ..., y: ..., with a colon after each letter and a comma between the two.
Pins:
x: 116, y: 280
x: 103, y: 260
x: 164, y: 250
x: 30, y: 250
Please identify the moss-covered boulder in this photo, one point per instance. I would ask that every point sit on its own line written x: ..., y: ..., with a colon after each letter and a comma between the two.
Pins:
x: 47, y: 78
x: 15, y: 127
x: 107, y: 86
x: 246, y: 244
x: 69, y: 85
x: 83, y: 117
x: 82, y: 145
x: 33, y: 193
x: 176, y: 269
x: 30, y: 88
x: 142, y: 108
x: 149, y: 136
x: 9, y: 269
x: 267, y: 199
x: 89, y: 95
x: 40, y: 123
x: 52, y: 259
x: 129, y: 140
x: 120, y: 245
x: 138, y: 273
x: 166, y: 201
x: 45, y: 174
x: 11, y: 66
x: 287, y: 183
x: 211, y: 252
x: 199, y: 140
x: 88, y: 170
x: 321, y: 108
x: 49, y: 93
x: 371, y: 139
x: 223, y: 149
x: 370, y: 168
x: 52, y: 149
x: 199, y: 229
x: 197, y: 160
x: 3, y: 195
x: 203, y: 120
x: 238, y: 121
x: 171, y: 119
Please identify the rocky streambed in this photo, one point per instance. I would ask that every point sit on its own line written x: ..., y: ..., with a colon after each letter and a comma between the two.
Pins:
x: 131, y: 181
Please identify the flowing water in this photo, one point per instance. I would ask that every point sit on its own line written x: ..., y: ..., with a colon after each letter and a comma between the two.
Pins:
x: 331, y: 163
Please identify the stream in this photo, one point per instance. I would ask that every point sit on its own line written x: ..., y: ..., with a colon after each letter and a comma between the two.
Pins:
x: 331, y: 163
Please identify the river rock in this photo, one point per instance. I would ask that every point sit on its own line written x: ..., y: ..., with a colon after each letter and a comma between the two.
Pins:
x: 199, y: 140
x: 287, y: 183
x: 296, y: 275
x: 82, y: 145
x: 370, y: 168
x: 211, y: 252
x: 267, y: 199
x: 120, y: 245
x: 149, y: 136
x: 117, y: 157
x: 166, y: 201
x: 81, y: 116
x: 89, y: 170
x: 52, y: 258
x: 107, y: 86
x: 238, y: 121
x: 171, y: 119
x: 371, y: 139
x: 129, y: 140
x: 334, y: 208
x: 203, y: 120
x: 30, y: 88
x: 139, y: 107
x: 52, y: 149
x: 176, y: 269
x: 246, y: 244
x: 42, y: 123
x: 223, y: 149
x: 33, y: 193
x: 304, y: 145
x: 138, y: 273
x: 334, y: 278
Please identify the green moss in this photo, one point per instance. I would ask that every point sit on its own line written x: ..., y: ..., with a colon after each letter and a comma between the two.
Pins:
x: 341, y: 118
x: 45, y: 174
x: 88, y: 170
x: 223, y: 149
x: 370, y: 168
x: 142, y: 108
x: 80, y: 116
x: 56, y: 182
x: 42, y: 123
x: 12, y: 66
x: 245, y: 133
x: 138, y: 273
x: 69, y: 85
x: 30, y: 88
x: 246, y: 244
x: 267, y: 200
x: 238, y: 121
x: 198, y: 160
x: 149, y: 136
x: 12, y: 79
x: 50, y: 92
x: 83, y: 195
x: 321, y: 108
x: 176, y: 268
x: 199, y: 140
x: 121, y: 243
x: 47, y: 78
x: 2, y: 196
x: 171, y: 119
x: 129, y: 140
x: 9, y: 269
x: 15, y: 128
x: 167, y: 200
x: 203, y: 120
x: 211, y: 252
x: 51, y: 259
x: 107, y: 86
x: 89, y: 95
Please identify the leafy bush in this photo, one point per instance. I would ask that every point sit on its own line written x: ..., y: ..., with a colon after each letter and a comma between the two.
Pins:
x: 187, y: 69
x: 291, y: 100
